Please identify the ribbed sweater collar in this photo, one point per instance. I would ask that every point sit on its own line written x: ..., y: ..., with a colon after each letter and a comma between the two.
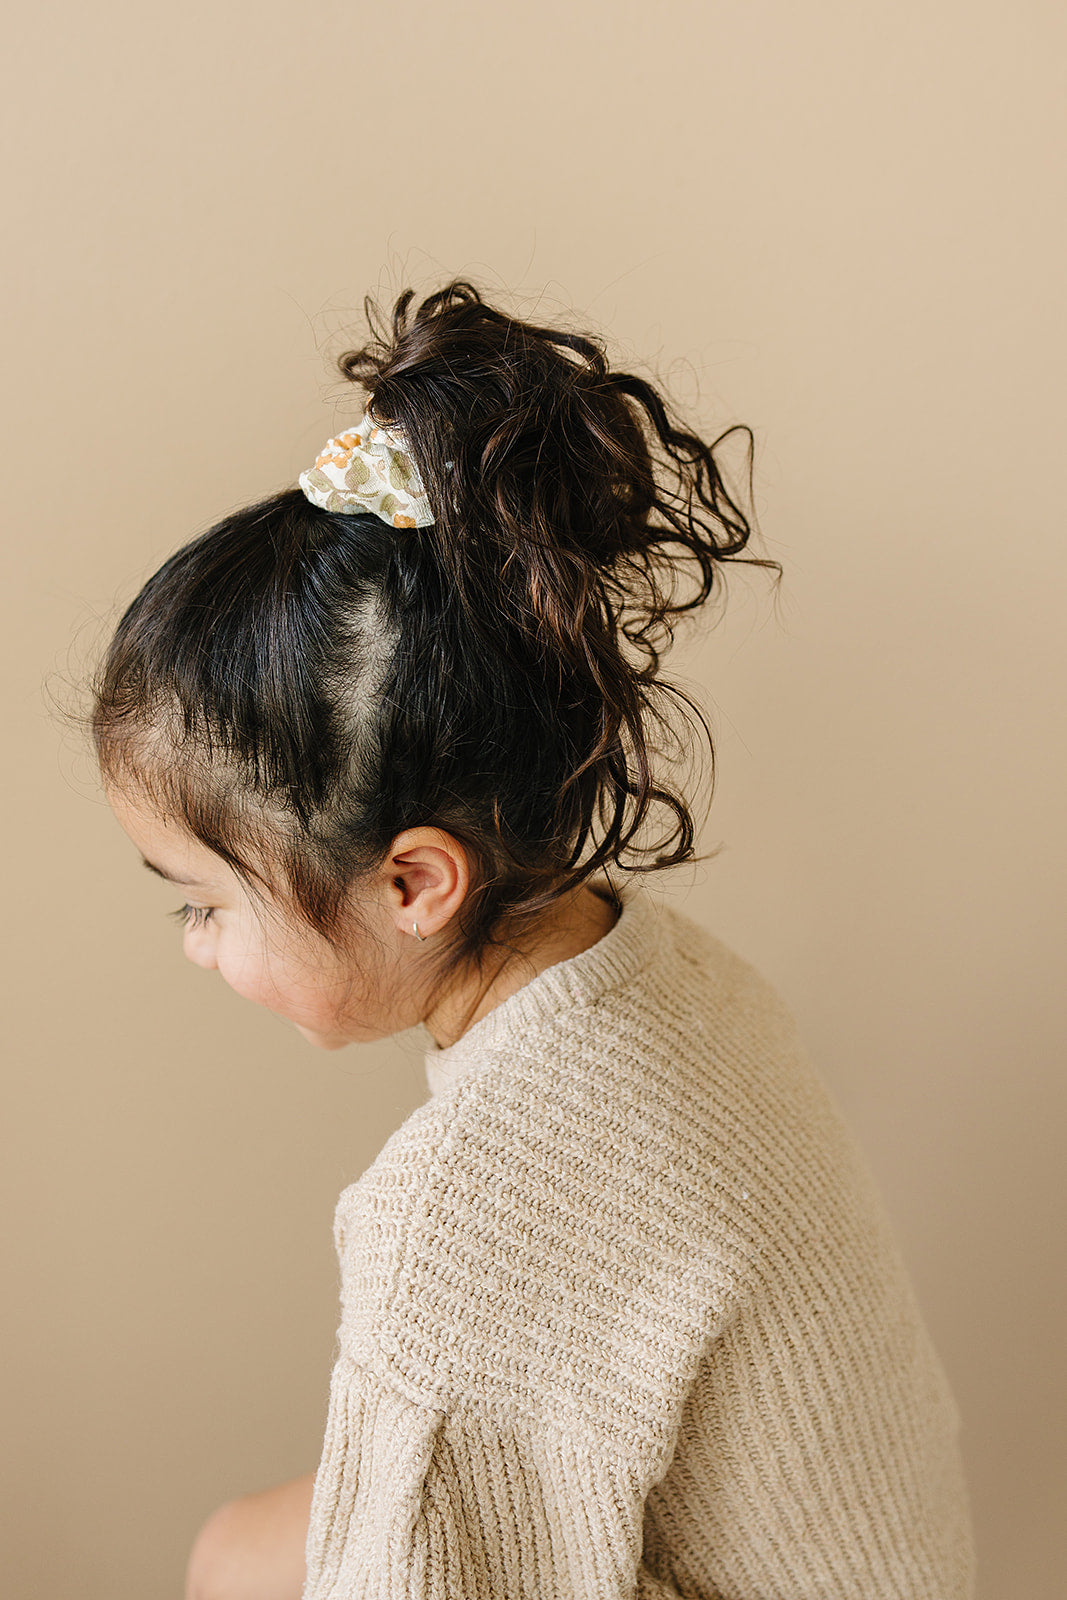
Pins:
x: 581, y: 980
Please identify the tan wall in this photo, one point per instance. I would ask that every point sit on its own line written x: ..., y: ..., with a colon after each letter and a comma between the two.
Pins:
x: 840, y: 222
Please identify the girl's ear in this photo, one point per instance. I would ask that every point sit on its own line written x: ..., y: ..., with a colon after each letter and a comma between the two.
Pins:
x: 428, y: 878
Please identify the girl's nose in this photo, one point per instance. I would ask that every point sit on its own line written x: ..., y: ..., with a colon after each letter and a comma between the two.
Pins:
x: 199, y: 948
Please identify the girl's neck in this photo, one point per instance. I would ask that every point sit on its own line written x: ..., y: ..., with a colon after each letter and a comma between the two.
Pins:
x: 578, y: 922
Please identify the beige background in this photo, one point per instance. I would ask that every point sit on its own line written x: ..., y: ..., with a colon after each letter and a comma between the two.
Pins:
x: 840, y: 223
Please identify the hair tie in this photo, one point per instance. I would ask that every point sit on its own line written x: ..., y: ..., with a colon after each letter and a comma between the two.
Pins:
x: 366, y: 468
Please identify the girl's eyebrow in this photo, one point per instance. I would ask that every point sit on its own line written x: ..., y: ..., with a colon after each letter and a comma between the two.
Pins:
x: 188, y: 883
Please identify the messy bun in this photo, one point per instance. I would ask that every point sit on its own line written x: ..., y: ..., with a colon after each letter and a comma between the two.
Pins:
x: 332, y: 681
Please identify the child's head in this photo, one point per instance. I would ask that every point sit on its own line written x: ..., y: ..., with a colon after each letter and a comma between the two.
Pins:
x: 329, y: 728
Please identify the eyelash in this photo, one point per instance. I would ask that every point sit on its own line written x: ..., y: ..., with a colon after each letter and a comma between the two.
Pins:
x: 193, y: 916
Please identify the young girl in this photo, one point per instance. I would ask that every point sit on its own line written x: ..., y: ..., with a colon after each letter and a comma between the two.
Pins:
x: 621, y: 1311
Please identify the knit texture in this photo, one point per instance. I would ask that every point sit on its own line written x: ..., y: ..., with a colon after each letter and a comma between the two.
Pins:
x: 622, y: 1314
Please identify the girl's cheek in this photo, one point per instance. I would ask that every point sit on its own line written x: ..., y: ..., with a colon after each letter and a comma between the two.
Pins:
x: 250, y: 979
x: 254, y: 976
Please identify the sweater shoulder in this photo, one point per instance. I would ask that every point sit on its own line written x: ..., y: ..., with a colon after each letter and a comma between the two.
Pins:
x: 564, y: 1229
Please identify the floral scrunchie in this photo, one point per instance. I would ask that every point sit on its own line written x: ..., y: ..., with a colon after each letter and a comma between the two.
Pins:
x: 369, y: 469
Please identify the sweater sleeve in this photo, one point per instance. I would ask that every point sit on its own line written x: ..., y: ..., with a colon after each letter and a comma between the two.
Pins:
x: 418, y: 1503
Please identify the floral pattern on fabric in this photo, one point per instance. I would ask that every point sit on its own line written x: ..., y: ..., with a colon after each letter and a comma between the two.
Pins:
x: 367, y: 468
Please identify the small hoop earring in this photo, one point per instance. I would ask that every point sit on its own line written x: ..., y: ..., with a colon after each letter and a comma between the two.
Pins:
x: 421, y: 937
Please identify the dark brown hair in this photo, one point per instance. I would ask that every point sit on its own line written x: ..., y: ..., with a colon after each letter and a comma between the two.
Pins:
x: 310, y: 683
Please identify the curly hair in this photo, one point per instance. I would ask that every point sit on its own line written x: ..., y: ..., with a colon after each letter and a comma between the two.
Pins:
x: 312, y: 683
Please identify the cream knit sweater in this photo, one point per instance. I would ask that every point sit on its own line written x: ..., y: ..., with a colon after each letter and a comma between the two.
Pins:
x: 622, y: 1315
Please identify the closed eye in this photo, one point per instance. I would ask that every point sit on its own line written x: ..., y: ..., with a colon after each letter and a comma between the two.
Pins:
x: 193, y: 916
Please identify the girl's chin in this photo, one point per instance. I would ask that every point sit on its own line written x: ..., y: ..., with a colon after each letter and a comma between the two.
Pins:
x: 323, y: 1041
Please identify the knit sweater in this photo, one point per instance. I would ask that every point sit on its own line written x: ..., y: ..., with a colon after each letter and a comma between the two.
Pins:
x: 623, y: 1315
